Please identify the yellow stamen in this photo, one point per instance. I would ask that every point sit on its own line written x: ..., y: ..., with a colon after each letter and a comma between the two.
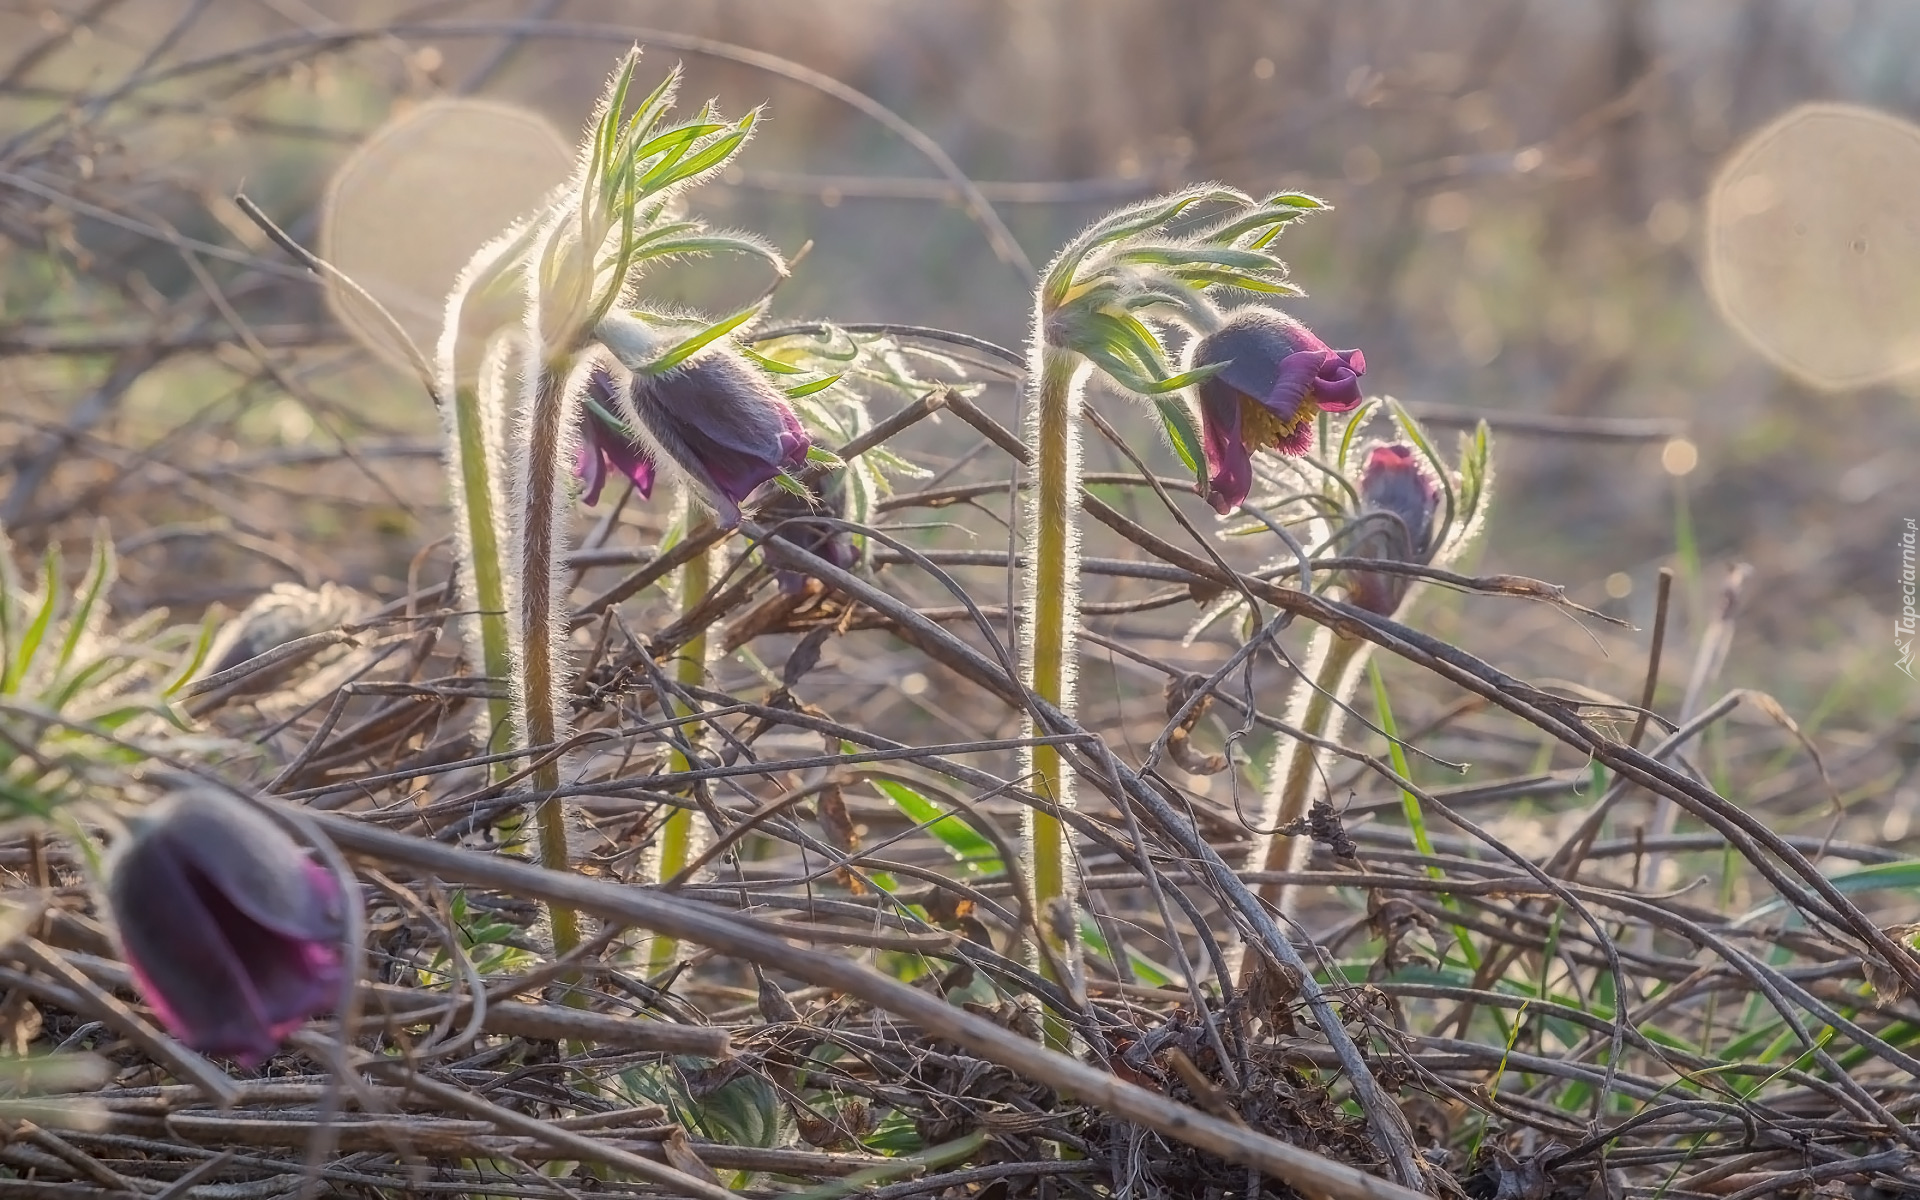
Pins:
x: 1261, y: 428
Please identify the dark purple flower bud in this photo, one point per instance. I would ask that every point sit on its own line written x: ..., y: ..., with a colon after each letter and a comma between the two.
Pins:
x: 1398, y: 500
x: 605, y: 447
x: 233, y: 934
x: 1278, y: 377
x: 832, y: 543
x: 723, y: 422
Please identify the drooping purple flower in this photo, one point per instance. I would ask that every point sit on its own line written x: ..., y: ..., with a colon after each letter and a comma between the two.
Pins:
x: 720, y: 419
x: 233, y: 934
x: 605, y: 448
x: 1278, y: 377
x: 1398, y: 500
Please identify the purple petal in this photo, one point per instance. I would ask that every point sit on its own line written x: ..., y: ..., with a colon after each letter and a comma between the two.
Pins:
x: 605, y: 449
x: 590, y: 467
x: 725, y: 424
x: 1336, y: 387
x: 1300, y: 374
x: 630, y: 460
x: 1229, y: 464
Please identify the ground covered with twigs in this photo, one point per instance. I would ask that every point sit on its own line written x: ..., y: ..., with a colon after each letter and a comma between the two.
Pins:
x: 1578, y: 920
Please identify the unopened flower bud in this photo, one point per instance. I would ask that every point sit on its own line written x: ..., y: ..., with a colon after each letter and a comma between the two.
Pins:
x: 233, y: 934
x: 1398, y: 500
x: 1278, y: 377
x: 831, y: 542
x: 722, y: 421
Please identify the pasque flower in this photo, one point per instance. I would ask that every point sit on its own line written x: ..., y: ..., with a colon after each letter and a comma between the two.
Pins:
x: 720, y: 419
x: 1278, y: 377
x: 233, y: 934
x: 1398, y: 500
x: 606, y: 447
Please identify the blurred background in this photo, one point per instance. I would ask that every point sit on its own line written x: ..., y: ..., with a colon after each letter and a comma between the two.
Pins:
x: 1520, y: 226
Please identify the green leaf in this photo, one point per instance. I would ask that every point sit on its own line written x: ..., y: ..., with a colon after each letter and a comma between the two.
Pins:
x: 973, y: 851
x: 773, y: 365
x: 99, y: 578
x: 1091, y: 937
x: 800, y: 391
x: 711, y: 243
x: 1223, y: 257
x: 1418, y: 437
x: 684, y: 350
x: 1266, y: 221
x: 1185, y: 439
x: 1209, y: 277
x: 1354, y: 425
x: 36, y: 632
x: 1122, y: 224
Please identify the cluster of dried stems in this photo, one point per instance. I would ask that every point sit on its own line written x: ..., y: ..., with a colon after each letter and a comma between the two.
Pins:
x: 1610, y: 1036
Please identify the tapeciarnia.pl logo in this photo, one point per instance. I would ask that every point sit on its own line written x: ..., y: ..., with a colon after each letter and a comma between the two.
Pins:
x: 1904, y: 625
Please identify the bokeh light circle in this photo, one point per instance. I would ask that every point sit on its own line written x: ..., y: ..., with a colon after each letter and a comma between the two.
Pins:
x: 1813, y: 244
x: 407, y: 209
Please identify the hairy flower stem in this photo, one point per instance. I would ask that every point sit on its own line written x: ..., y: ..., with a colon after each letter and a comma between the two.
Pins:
x: 1053, y: 608
x: 676, y: 832
x: 483, y: 561
x: 539, y: 663
x: 1318, y: 708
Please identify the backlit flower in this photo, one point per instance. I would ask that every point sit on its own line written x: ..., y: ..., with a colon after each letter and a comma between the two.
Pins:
x: 723, y: 422
x: 233, y: 934
x: 1398, y: 500
x: 1278, y: 378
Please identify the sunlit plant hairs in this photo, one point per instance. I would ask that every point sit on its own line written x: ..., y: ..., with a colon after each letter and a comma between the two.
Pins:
x: 1104, y: 305
x: 521, y: 326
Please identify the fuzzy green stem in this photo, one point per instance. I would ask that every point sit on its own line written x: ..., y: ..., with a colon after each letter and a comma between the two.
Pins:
x: 537, y: 660
x: 1318, y: 709
x: 489, y: 591
x: 676, y: 832
x: 1054, y: 598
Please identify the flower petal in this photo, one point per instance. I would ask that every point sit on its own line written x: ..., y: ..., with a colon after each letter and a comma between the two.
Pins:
x: 723, y: 422
x: 1229, y: 463
x: 590, y: 467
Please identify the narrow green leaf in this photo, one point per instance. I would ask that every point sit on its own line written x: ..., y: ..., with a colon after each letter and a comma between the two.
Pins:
x: 80, y: 620
x: 803, y: 390
x: 682, y: 351
x: 973, y: 851
x: 1211, y: 277
x: 773, y: 365
x: 1185, y: 439
x: 1354, y: 425
x: 36, y: 632
x: 1418, y: 436
x: 1410, y: 805
x: 1091, y: 937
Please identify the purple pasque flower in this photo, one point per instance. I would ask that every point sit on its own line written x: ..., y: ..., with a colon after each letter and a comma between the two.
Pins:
x: 722, y: 421
x: 233, y: 934
x: 606, y: 448
x: 1278, y: 377
x: 1398, y: 500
